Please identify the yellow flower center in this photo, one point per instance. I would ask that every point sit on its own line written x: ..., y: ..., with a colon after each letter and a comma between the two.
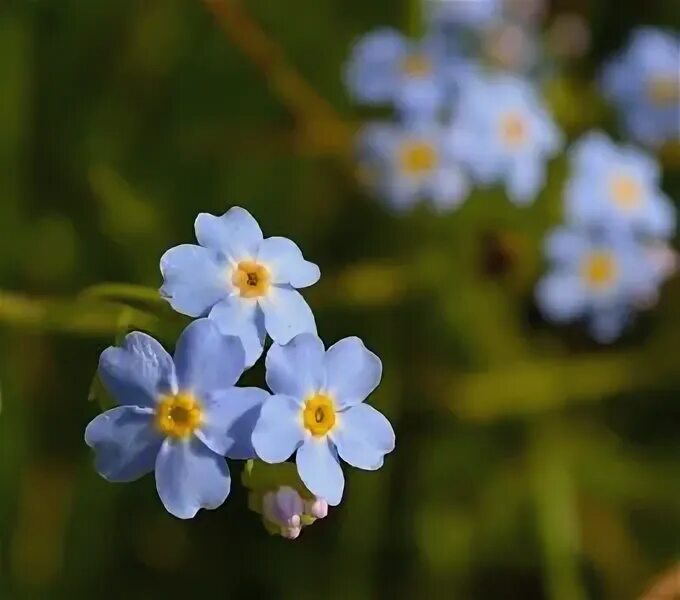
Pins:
x: 417, y: 157
x: 178, y: 416
x: 599, y: 270
x: 251, y: 278
x: 416, y: 65
x: 626, y: 192
x: 664, y: 90
x: 513, y: 129
x: 319, y: 414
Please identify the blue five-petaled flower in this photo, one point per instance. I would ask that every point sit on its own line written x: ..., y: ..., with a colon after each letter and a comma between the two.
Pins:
x: 318, y: 412
x: 385, y: 67
x: 617, y: 187
x: 178, y: 417
x: 503, y: 133
x: 410, y: 163
x: 244, y: 282
x: 643, y: 82
x: 601, y: 276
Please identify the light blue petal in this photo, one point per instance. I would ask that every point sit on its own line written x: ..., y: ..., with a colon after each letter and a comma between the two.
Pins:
x: 279, y: 430
x: 561, y: 297
x: 607, y: 325
x: 477, y: 14
x: 193, y: 279
x: 319, y: 469
x: 525, y: 180
x: 352, y: 371
x: 190, y: 476
x: 138, y: 372
x: 243, y: 318
x: 286, y: 314
x: 229, y: 419
x: 592, y: 152
x: 363, y: 436
x: 450, y: 188
x: 372, y: 73
x: 565, y: 246
x: 660, y: 217
x: 125, y: 442
x: 207, y: 360
x: 286, y: 264
x: 401, y: 193
x: 296, y: 369
x: 419, y: 100
x: 236, y: 233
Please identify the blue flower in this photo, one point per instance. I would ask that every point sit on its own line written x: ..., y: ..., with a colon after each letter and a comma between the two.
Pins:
x: 407, y: 164
x: 318, y: 412
x: 503, y: 133
x: 643, y: 82
x: 178, y: 417
x: 600, y: 277
x: 387, y: 68
x: 245, y: 283
x: 617, y: 186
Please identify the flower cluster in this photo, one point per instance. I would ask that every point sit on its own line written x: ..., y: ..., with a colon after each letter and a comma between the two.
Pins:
x: 182, y: 416
x: 612, y: 255
x: 459, y: 123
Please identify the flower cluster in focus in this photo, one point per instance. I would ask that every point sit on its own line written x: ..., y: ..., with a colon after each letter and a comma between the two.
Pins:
x: 182, y: 416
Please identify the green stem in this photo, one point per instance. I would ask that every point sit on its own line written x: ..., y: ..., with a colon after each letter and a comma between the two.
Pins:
x: 556, y: 512
x: 123, y: 292
x: 83, y: 317
x: 414, y: 18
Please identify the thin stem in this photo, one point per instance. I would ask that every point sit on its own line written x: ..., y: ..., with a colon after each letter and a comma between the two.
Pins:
x: 82, y: 317
x: 321, y: 123
x: 558, y: 522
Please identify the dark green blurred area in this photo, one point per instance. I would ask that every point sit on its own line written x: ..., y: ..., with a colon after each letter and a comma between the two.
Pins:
x: 530, y: 462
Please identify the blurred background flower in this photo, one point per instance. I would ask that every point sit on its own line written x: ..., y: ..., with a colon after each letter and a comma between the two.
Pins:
x: 643, y: 83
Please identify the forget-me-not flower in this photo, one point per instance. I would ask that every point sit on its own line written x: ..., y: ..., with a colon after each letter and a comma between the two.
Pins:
x: 385, y: 67
x: 407, y: 164
x: 597, y: 276
x: 178, y: 417
x: 503, y: 133
x: 617, y: 186
x: 244, y: 282
x: 318, y: 412
x: 643, y: 82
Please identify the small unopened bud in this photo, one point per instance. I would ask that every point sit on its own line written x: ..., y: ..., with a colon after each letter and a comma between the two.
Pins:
x: 317, y: 508
x: 290, y: 533
x: 284, y: 508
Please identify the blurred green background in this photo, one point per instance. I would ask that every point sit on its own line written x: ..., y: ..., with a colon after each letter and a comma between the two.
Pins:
x: 530, y: 462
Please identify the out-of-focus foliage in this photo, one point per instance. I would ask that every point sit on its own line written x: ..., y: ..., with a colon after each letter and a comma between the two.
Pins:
x: 530, y: 462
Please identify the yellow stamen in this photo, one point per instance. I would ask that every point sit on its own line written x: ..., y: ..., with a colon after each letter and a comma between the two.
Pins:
x: 416, y: 65
x: 319, y: 414
x: 513, y: 129
x: 178, y: 416
x: 626, y: 192
x: 664, y: 90
x: 417, y: 157
x: 251, y: 278
x: 599, y: 270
